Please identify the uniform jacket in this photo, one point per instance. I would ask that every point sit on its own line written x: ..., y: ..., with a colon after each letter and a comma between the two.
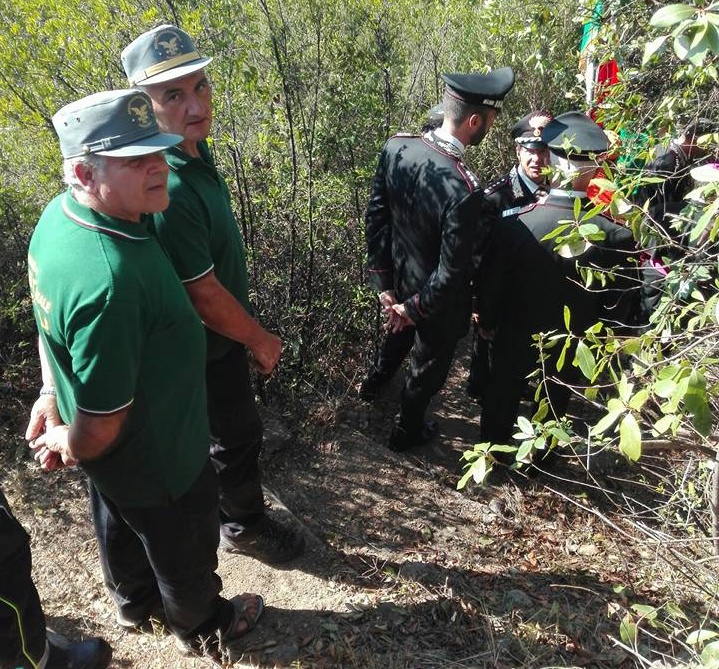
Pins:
x: 524, y: 283
x: 511, y: 192
x: 425, y: 224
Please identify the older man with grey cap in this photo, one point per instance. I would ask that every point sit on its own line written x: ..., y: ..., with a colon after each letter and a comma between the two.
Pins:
x: 122, y: 352
x: 203, y: 240
x: 526, y: 283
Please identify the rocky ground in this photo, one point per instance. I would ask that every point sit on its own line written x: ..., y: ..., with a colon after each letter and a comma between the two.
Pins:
x: 402, y: 570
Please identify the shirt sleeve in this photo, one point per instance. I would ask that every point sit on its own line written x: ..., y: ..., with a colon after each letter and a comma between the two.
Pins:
x: 184, y: 232
x: 378, y: 232
x: 106, y: 350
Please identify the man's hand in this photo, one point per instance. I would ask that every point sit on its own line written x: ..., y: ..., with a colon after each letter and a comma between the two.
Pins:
x: 398, y: 319
x: 43, y: 416
x: 266, y: 352
x: 387, y: 299
x: 51, y: 448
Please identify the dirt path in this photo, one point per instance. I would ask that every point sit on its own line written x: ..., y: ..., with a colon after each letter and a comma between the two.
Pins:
x: 402, y: 571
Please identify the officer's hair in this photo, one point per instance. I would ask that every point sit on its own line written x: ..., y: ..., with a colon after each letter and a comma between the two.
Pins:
x: 92, y: 160
x: 458, y: 110
x: 573, y: 165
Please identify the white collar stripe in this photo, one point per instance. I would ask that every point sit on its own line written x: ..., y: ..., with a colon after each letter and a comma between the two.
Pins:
x: 99, y: 228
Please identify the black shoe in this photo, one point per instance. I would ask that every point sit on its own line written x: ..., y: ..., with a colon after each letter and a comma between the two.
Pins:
x: 92, y: 653
x: 401, y: 440
x: 267, y: 541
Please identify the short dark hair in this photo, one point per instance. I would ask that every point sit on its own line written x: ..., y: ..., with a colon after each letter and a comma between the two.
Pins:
x: 457, y: 110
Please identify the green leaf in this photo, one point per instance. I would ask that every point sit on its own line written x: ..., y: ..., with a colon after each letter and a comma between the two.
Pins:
x: 638, y: 400
x: 567, y: 317
x: 706, y: 218
x: 584, y: 359
x: 710, y: 655
x: 645, y: 610
x: 587, y: 229
x: 630, y: 437
x: 605, y: 423
x: 655, y: 47
x: 670, y: 15
x: 577, y: 208
x: 665, y: 388
x: 525, y: 451
x: 525, y: 427
x: 563, y: 354
x: 560, y: 435
x: 628, y: 631
x: 700, y: 636
x: 664, y: 423
x: 479, y: 470
x: 681, y: 47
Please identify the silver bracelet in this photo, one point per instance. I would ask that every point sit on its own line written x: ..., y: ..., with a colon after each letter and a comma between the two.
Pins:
x: 47, y: 390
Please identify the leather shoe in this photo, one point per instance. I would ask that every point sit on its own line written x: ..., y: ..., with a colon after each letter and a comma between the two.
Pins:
x: 92, y: 653
x: 401, y: 440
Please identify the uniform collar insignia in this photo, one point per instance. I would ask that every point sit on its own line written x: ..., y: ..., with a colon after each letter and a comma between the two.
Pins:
x: 436, y: 139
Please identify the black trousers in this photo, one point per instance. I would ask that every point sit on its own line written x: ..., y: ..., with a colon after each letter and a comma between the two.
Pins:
x: 392, y: 351
x: 22, y: 623
x: 235, y: 440
x: 165, y: 554
x: 479, y: 366
x: 513, y: 358
x: 429, y: 361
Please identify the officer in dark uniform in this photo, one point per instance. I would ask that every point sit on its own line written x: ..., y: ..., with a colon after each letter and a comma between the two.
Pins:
x: 395, y: 345
x: 664, y: 200
x: 525, y: 283
x: 524, y: 184
x: 425, y: 218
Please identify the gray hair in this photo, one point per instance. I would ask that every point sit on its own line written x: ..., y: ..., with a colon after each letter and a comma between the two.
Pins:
x: 92, y: 160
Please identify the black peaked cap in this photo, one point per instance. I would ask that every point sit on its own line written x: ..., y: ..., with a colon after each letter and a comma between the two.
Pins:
x: 481, y: 89
x: 576, y: 128
x: 528, y: 130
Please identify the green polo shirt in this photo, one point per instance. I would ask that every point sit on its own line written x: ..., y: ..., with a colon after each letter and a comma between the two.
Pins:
x: 200, y: 233
x: 120, y: 332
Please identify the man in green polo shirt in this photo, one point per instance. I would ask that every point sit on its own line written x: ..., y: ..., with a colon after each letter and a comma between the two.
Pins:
x: 122, y: 350
x: 201, y: 236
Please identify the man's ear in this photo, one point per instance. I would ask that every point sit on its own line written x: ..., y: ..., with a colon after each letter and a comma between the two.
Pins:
x: 85, y: 175
x: 474, y: 120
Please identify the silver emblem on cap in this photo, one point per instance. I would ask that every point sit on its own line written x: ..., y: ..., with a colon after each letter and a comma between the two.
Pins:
x: 169, y: 42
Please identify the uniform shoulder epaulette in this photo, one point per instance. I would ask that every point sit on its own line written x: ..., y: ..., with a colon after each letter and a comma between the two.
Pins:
x: 527, y: 208
x: 497, y: 184
x: 469, y: 176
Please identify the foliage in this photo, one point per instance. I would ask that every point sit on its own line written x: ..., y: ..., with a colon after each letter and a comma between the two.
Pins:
x: 305, y: 95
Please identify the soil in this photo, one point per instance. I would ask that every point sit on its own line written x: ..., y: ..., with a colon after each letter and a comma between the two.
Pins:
x: 401, y: 569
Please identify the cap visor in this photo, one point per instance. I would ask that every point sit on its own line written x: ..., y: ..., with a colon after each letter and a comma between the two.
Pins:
x: 175, y: 72
x: 142, y: 147
x: 532, y: 144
